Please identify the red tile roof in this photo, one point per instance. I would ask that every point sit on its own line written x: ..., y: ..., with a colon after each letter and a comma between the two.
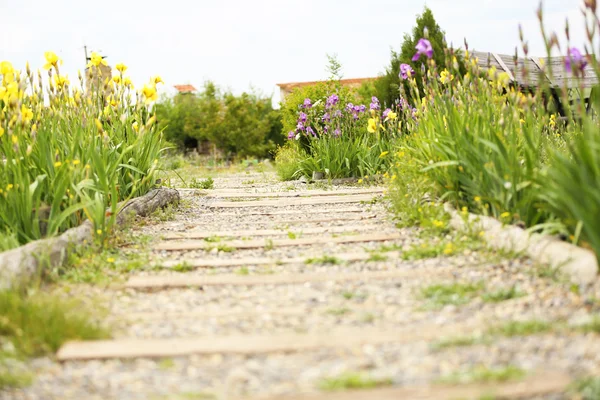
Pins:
x: 292, y: 85
x: 185, y: 88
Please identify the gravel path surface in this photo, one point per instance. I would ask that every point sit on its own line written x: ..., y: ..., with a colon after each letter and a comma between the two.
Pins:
x: 479, y: 301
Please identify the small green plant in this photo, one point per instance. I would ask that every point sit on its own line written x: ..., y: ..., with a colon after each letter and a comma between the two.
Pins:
x: 461, y: 341
x: 243, y: 271
x: 502, y: 295
x: 249, y: 182
x: 213, y: 239
x: 352, y: 380
x: 450, y: 294
x: 338, y: 312
x: 522, y: 328
x: 486, y: 375
x: 587, y: 388
x: 13, y: 379
x: 269, y: 245
x: 377, y: 257
x: 324, y: 260
x: 592, y: 326
x: 38, y: 323
x: 292, y: 235
x: 182, y: 267
x: 367, y: 318
x: 164, y: 214
x: 166, y: 363
x: 207, y: 183
x: 225, y: 248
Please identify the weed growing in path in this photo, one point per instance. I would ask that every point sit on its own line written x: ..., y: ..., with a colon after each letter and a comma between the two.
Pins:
x: 352, y: 380
x: 486, y: 375
x: 324, y: 260
x: 440, y: 295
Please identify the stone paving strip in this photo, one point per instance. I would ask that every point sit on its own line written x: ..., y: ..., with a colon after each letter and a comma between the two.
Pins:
x: 266, y: 232
x: 539, y: 384
x: 238, y: 194
x: 261, y: 243
x: 249, y: 261
x: 181, y: 281
x: 269, y: 213
x: 251, y: 344
x: 303, y: 201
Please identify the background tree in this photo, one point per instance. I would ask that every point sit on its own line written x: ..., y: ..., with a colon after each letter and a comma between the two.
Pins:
x: 388, y: 86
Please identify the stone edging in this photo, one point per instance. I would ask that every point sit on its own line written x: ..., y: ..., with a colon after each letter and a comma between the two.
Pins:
x: 579, y: 264
x: 28, y: 260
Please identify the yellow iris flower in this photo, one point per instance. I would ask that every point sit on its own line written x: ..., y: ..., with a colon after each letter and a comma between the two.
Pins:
x: 61, y: 81
x: 121, y: 67
x: 96, y: 60
x: 52, y: 60
x: 26, y: 113
x: 156, y: 80
x: 446, y: 77
x: 372, y: 127
x: 391, y: 116
x: 149, y: 92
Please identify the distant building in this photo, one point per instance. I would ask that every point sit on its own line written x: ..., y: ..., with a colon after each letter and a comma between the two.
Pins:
x: 185, y: 88
x: 287, y: 88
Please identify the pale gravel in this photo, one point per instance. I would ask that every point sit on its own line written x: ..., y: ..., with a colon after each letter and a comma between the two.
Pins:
x: 390, y: 304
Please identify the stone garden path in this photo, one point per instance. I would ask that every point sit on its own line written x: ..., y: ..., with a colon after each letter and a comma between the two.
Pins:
x: 267, y: 290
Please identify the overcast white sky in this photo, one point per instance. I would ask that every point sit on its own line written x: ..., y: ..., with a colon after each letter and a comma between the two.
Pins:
x: 243, y: 43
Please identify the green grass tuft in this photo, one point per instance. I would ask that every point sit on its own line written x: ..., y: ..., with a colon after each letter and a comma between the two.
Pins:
x: 502, y: 295
x: 38, y: 323
x: 486, y: 375
x: 352, y: 380
x: 452, y: 294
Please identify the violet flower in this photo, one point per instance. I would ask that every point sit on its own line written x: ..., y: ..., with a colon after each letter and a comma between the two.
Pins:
x: 307, y: 103
x: 350, y: 107
x: 326, y: 117
x: 375, y: 103
x: 337, y: 132
x: 386, y: 112
x: 332, y: 101
x: 575, y: 58
x: 300, y: 126
x: 423, y: 47
x: 310, y: 131
x: 337, y: 113
x: 406, y: 71
x: 302, y: 117
x: 291, y: 135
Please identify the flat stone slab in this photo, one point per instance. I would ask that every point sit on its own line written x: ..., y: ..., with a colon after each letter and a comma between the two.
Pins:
x: 247, y: 261
x: 302, y: 201
x: 535, y: 385
x: 294, y: 212
x: 153, y: 282
x: 267, y: 232
x: 305, y: 193
x: 247, y: 344
x: 255, y: 244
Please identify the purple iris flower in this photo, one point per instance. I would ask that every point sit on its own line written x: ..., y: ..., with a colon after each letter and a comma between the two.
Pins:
x: 302, y: 117
x: 375, y: 103
x: 362, y: 108
x: 386, y: 112
x: 300, y: 126
x: 405, y: 70
x: 350, y: 107
x: 307, y: 103
x: 332, y: 101
x: 326, y: 117
x: 337, y: 132
x: 310, y: 131
x: 291, y: 135
x: 337, y: 113
x: 403, y: 103
x: 575, y: 58
x: 423, y: 47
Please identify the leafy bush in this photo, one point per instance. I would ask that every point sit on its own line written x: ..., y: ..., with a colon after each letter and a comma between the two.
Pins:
x: 287, y: 161
x: 73, y: 158
x: 240, y: 126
